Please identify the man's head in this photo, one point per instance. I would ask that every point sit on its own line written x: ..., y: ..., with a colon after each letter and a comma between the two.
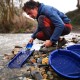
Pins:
x: 31, y: 8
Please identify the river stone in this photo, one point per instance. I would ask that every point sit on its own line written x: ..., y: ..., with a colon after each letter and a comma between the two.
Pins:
x: 39, y: 60
x: 45, y: 60
x: 36, y: 56
x: 24, y: 78
x: 51, y: 77
x: 8, y: 57
x: 45, y: 76
x: 33, y: 60
x: 16, y: 50
x: 75, y: 40
x: 49, y: 72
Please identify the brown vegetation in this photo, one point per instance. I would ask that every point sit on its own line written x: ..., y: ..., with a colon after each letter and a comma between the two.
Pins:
x: 11, y: 19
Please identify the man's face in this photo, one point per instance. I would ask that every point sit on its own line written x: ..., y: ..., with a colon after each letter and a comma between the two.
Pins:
x: 32, y: 12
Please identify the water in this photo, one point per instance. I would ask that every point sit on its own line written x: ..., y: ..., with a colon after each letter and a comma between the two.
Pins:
x: 8, y: 41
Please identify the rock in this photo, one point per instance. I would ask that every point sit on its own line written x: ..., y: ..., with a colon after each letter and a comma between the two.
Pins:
x: 69, y: 44
x: 16, y: 50
x: 8, y: 57
x: 28, y: 79
x: 43, y: 73
x: 45, y: 60
x: 33, y: 60
x: 49, y: 72
x: 51, y: 77
x: 44, y: 76
x: 43, y: 55
x: 36, y: 56
x: 5, y: 57
x: 20, y: 78
x: 24, y: 78
x: 18, y: 47
x: 56, y: 79
x: 42, y: 70
x: 1, y: 67
x: 25, y: 70
x: 3, y: 79
x: 74, y: 39
x: 55, y: 75
x: 39, y: 60
x: 78, y: 42
x: 32, y: 68
x: 36, y: 73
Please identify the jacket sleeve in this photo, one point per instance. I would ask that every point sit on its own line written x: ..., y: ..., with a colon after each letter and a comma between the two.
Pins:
x: 57, y: 21
x: 34, y: 34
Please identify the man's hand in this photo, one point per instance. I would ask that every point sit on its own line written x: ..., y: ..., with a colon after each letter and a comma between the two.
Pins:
x: 31, y: 40
x: 47, y: 43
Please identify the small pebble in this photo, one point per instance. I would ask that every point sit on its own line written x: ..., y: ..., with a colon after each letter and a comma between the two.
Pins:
x: 44, y: 76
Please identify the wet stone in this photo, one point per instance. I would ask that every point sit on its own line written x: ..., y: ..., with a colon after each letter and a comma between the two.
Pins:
x: 33, y: 60
x: 51, y: 77
x: 39, y: 60
x: 45, y: 60
x: 24, y: 78
x: 45, y: 76
x: 1, y: 67
x: 36, y: 56
x: 43, y: 72
x: 10, y: 56
x: 49, y: 72
x: 56, y: 79
x: 16, y: 50
x: 75, y: 40
x: 43, y: 55
x: 20, y: 78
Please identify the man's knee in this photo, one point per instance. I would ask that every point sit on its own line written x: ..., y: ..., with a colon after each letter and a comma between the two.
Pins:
x: 41, y: 17
x: 40, y: 35
x: 66, y: 31
x: 44, y: 21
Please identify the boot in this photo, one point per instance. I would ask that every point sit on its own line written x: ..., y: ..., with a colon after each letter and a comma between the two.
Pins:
x: 61, y: 42
x: 47, y: 49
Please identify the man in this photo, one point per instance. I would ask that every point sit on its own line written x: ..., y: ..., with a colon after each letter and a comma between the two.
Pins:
x: 51, y: 22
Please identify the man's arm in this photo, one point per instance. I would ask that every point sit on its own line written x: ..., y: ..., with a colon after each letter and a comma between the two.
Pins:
x: 57, y: 21
x: 34, y: 34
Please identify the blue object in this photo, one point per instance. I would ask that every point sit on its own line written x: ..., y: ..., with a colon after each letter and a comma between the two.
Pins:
x: 20, y: 59
x: 66, y: 63
x: 29, y: 45
x: 74, y: 48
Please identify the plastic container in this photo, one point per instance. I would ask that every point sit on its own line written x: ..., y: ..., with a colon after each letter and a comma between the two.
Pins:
x: 65, y: 63
x: 29, y: 45
x: 74, y: 48
x: 20, y: 59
